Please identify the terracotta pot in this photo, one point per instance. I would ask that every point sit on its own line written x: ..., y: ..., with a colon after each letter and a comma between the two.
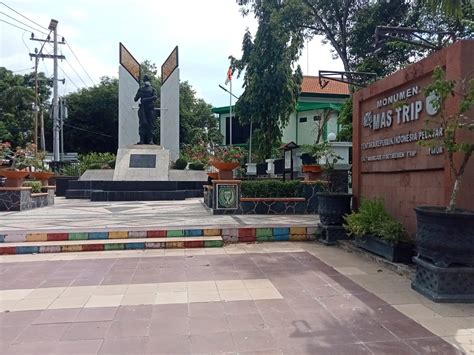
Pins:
x: 225, y: 166
x: 312, y: 168
x: 43, y: 176
x: 14, y: 178
x: 213, y: 176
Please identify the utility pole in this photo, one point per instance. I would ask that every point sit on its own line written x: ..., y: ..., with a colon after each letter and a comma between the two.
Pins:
x: 55, y: 108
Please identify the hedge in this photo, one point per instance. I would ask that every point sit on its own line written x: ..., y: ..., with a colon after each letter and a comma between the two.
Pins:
x: 272, y: 188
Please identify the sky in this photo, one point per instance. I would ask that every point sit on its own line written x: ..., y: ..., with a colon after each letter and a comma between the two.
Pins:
x: 206, y: 32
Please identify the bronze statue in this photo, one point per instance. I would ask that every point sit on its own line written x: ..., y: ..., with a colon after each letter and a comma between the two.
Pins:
x: 146, y: 112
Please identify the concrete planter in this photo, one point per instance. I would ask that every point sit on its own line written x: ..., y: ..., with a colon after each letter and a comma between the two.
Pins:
x: 445, y: 238
x: 332, y: 207
x: 42, y: 176
x: 398, y: 253
x: 14, y: 178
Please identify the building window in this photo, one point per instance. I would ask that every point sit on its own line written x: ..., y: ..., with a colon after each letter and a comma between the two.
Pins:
x: 240, y: 133
x: 303, y: 119
x: 317, y: 118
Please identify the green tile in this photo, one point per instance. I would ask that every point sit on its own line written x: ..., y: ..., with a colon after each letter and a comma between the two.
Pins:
x: 263, y: 232
x: 265, y: 238
x: 77, y: 236
x: 175, y: 233
x: 213, y: 243
x: 114, y: 246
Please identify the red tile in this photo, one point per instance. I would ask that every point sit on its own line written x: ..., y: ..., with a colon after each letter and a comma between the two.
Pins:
x: 93, y: 247
x: 57, y: 236
x: 156, y: 234
x: 194, y: 244
x: 247, y: 239
x: 247, y: 232
x: 7, y: 250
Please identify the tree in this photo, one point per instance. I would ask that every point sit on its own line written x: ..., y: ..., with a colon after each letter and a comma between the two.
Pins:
x: 271, y: 86
x: 16, y: 105
x: 456, y: 8
x: 92, y: 124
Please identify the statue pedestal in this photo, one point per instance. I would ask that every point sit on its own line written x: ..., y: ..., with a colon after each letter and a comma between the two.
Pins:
x: 142, y: 163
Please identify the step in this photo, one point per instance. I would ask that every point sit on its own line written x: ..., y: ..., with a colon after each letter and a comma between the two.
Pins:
x: 137, y: 195
x: 110, y: 244
x: 79, y: 194
x: 135, y: 185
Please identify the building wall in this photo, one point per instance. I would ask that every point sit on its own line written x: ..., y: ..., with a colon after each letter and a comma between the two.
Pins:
x: 416, y: 176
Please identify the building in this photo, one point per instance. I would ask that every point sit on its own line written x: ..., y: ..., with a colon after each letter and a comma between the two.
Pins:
x: 315, y: 104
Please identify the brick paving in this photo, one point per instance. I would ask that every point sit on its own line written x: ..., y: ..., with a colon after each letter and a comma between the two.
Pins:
x: 272, y: 299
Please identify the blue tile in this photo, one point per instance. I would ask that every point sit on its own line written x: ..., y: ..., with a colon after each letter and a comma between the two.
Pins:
x: 98, y: 235
x: 27, y: 250
x: 193, y: 232
x: 281, y: 231
x: 134, y: 245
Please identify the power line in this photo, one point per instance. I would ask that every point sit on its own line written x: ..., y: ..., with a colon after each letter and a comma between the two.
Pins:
x: 18, y: 71
x: 85, y: 71
x: 77, y: 74
x: 67, y: 77
x: 24, y: 24
x: 36, y: 23
x: 11, y: 24
x: 86, y: 130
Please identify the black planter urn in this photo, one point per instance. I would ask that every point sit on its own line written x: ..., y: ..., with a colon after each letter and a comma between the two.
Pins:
x: 399, y: 252
x: 444, y: 238
x: 332, y: 207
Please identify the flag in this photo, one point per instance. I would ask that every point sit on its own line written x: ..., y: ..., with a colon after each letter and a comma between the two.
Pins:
x: 229, y: 76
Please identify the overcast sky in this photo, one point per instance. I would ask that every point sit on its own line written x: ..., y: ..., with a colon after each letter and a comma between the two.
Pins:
x: 206, y: 31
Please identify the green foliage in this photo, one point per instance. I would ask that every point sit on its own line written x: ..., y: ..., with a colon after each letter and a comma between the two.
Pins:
x: 344, y: 119
x: 452, y: 124
x: 271, y: 86
x: 92, y: 160
x: 271, y: 188
x: 196, y: 165
x: 36, y: 186
x: 196, y: 153
x: 16, y: 105
x: 181, y: 164
x: 373, y: 219
x: 228, y: 154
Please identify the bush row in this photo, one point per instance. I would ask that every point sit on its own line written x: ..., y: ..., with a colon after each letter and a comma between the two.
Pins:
x: 272, y: 188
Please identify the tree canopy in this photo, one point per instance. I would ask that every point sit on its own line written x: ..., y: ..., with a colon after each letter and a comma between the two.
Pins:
x: 271, y: 85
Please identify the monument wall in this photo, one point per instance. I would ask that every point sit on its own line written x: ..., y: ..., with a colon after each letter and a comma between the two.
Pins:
x: 388, y: 121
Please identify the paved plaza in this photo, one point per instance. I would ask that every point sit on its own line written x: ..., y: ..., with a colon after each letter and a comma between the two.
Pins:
x: 71, y: 215
x: 268, y: 298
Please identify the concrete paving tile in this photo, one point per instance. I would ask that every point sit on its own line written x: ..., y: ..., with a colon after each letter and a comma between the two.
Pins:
x: 243, y: 322
x: 32, y: 304
x: 104, y: 301
x: 204, y: 324
x: 142, y: 288
x: 34, y: 348
x: 75, y: 291
x: 8, y: 334
x: 110, y: 290
x: 169, y: 310
x: 138, y: 299
x: 8, y: 295
x: 171, y: 297
x: 221, y: 342
x: 57, y: 316
x: 96, y: 314
x: 69, y: 302
x: 432, y: 345
x: 258, y: 284
x: 201, y: 286
x: 42, y: 333
x: 257, y: 340
x: 18, y: 318
x: 240, y: 307
x: 129, y: 345
x: 390, y: 348
x: 416, y: 311
x: 235, y: 295
x: 134, y: 312
x: 129, y: 328
x: 264, y: 294
x: 172, y: 287
x: 203, y: 296
x: 91, y: 346
x: 177, y: 344
x: 169, y: 325
x: 7, y: 305
x: 86, y: 330
x: 464, y: 343
x: 230, y: 285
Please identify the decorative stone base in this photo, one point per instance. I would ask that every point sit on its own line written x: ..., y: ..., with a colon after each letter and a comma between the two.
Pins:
x: 451, y: 284
x: 142, y: 163
x: 21, y: 198
x: 329, y: 235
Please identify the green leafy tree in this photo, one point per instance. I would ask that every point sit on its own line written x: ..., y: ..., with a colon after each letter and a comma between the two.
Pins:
x: 271, y: 86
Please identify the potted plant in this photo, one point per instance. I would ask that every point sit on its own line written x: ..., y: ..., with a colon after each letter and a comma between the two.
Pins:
x: 333, y: 203
x: 19, y: 161
x: 445, y: 235
x: 376, y: 231
x: 311, y: 160
x: 226, y: 159
x: 40, y: 172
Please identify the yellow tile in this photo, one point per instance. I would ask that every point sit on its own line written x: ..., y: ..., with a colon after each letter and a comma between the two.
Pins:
x: 135, y: 299
x: 202, y: 286
x: 175, y: 245
x: 72, y: 248
x: 210, y: 232
x: 298, y: 230
x: 69, y: 302
x: 235, y: 295
x: 171, y: 297
x: 298, y: 237
x: 36, y: 237
x: 203, y: 296
x: 230, y: 285
x: 118, y: 235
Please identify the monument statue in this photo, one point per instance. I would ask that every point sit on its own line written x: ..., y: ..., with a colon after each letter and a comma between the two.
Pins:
x: 146, y: 111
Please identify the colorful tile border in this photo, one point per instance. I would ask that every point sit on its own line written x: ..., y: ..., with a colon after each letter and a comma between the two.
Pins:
x: 229, y: 235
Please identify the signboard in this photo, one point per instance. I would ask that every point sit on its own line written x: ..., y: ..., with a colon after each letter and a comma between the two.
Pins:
x: 226, y: 196
x: 392, y: 126
x: 129, y: 62
x: 170, y: 64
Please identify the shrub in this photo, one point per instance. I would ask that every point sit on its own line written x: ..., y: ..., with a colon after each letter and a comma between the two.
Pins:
x: 36, y: 186
x: 90, y: 161
x: 373, y: 219
x: 180, y: 164
x: 196, y: 165
x: 272, y: 188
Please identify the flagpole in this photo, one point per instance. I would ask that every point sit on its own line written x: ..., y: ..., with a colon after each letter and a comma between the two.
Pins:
x: 230, y: 111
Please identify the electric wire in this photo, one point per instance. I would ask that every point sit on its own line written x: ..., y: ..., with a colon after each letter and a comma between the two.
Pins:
x: 86, y: 130
x: 11, y: 24
x: 37, y: 24
x: 77, y: 59
x: 24, y: 24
